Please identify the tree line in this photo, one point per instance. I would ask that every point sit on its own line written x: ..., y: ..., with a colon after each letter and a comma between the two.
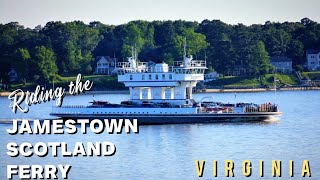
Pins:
x: 43, y: 53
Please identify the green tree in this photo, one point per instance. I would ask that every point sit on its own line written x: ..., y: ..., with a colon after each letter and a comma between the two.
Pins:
x: 196, y: 42
x: 277, y: 41
x: 227, y: 47
x: 73, y: 43
x: 44, y: 60
x: 22, y: 64
x: 259, y: 60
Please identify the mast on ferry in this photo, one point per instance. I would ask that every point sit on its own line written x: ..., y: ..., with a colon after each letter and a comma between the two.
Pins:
x: 186, y: 60
x: 184, y: 48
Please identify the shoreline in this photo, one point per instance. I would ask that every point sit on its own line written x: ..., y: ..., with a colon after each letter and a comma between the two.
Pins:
x: 6, y: 93
x: 259, y: 89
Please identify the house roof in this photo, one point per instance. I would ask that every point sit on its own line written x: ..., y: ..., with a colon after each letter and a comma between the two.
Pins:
x: 313, y: 51
x: 102, y: 60
x: 98, y: 58
x: 280, y: 59
x: 151, y: 63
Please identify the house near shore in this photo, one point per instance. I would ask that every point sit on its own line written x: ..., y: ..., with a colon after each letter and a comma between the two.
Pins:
x: 313, y: 59
x: 282, y: 64
x: 105, y: 65
x: 211, y: 76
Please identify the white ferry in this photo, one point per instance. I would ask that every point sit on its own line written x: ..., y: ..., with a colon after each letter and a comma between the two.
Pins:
x: 162, y: 94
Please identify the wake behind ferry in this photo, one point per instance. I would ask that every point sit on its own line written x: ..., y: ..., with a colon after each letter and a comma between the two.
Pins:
x: 162, y: 94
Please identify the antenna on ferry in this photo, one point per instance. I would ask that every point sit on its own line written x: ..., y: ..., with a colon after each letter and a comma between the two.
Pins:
x: 184, y: 48
x: 135, y: 52
x: 132, y: 51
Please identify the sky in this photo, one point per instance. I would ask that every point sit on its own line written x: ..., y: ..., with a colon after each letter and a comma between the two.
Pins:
x: 31, y: 13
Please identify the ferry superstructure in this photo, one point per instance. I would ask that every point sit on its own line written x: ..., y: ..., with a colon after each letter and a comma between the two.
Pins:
x: 162, y: 94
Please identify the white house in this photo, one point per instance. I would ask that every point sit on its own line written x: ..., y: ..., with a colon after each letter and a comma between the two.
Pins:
x: 105, y: 65
x: 282, y: 64
x: 211, y: 76
x: 313, y: 60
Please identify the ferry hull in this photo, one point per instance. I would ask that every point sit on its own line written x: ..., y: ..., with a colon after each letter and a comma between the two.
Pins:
x: 178, y: 118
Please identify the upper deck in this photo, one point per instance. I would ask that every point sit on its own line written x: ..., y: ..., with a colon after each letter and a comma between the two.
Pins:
x: 160, y: 81
x: 161, y: 72
x: 178, y: 67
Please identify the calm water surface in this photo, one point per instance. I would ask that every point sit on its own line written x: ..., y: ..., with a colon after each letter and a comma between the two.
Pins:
x: 169, y: 151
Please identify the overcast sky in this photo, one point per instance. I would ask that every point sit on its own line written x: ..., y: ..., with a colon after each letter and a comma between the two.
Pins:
x: 31, y: 13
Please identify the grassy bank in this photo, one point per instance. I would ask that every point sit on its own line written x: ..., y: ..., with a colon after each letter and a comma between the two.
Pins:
x: 314, y: 75
x: 253, y: 82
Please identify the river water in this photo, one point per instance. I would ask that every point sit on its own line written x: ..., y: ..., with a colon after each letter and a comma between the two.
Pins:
x: 170, y: 151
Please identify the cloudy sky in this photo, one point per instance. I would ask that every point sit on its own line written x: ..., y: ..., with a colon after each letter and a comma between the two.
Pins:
x: 37, y: 12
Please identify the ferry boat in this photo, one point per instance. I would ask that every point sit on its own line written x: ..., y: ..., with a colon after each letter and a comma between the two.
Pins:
x: 162, y: 94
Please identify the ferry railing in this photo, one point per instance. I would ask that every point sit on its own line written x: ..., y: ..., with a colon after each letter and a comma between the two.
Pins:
x: 146, y: 70
x: 193, y: 63
x: 248, y: 108
x: 169, y: 69
x: 127, y: 64
x: 188, y: 71
x: 198, y: 63
x: 123, y: 65
x: 178, y: 63
x: 195, y: 67
x: 266, y: 107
